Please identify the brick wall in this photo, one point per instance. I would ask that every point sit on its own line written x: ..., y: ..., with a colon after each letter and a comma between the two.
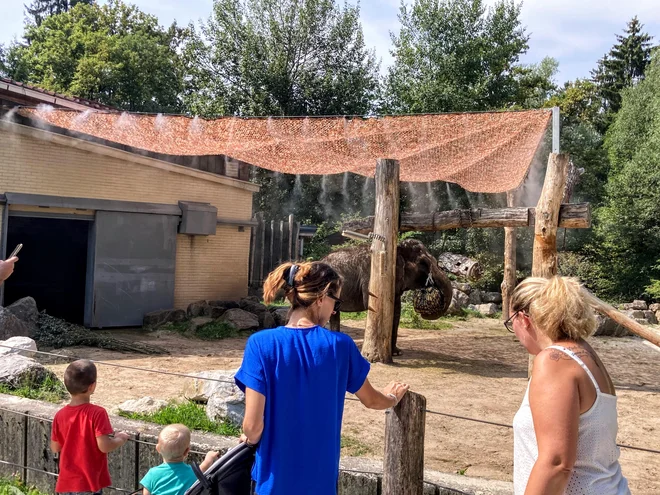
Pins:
x: 213, y: 267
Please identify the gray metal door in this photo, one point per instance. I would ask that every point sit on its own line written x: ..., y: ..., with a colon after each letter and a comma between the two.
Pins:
x: 130, y: 267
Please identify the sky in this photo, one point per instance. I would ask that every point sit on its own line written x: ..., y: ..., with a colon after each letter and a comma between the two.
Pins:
x: 575, y: 32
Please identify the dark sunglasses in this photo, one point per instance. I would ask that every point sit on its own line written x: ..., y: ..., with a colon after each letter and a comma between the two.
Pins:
x: 337, y: 302
x: 508, y: 324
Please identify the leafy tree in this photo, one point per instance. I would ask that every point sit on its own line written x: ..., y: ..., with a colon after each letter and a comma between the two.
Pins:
x: 291, y: 57
x: 623, y: 66
x: 629, y: 225
x: 40, y: 9
x: 456, y: 55
x: 112, y: 53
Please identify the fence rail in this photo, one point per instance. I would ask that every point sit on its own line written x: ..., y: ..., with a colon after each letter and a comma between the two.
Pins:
x: 272, y: 243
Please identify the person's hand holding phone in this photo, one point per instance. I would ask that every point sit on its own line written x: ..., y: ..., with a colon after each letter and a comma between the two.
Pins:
x: 7, y: 268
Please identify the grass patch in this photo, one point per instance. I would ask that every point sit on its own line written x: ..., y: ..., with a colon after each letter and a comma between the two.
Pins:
x: 214, y: 330
x: 14, y: 486
x: 280, y: 303
x: 353, y: 447
x: 50, y: 390
x: 190, y: 414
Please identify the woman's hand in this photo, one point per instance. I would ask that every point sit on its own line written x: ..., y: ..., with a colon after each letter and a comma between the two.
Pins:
x: 7, y: 268
x: 396, y: 389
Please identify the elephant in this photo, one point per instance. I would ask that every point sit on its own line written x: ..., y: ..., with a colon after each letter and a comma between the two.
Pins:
x: 414, y: 263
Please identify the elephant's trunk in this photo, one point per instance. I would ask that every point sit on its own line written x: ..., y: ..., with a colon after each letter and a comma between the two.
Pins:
x: 443, y: 283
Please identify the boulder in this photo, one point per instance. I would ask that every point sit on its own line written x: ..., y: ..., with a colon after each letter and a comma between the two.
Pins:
x: 253, y: 307
x: 200, y: 390
x: 655, y: 307
x: 145, y: 405
x: 657, y: 315
x: 609, y: 328
x: 636, y: 314
x: 475, y: 297
x: 25, y: 309
x: 640, y: 305
x: 198, y: 322
x: 464, y: 288
x: 253, y: 299
x: 625, y: 307
x: 227, y: 407
x: 158, y: 318
x: 216, y: 312
x: 491, y: 297
x: 26, y: 345
x: 266, y: 320
x: 11, y: 326
x: 224, y: 304
x: 281, y: 316
x: 240, y: 319
x: 459, y: 301
x: 650, y: 317
x: 198, y: 308
x: 17, y: 371
x: 487, y: 309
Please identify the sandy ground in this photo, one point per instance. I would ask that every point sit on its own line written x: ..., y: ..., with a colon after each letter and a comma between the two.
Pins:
x: 475, y: 369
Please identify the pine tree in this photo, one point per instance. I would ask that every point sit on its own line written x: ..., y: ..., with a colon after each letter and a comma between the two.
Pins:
x: 40, y: 9
x: 624, y: 66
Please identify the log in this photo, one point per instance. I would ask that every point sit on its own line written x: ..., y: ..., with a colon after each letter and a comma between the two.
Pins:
x: 571, y: 216
x: 403, y: 462
x: 544, y: 261
x: 509, y: 280
x: 377, y: 346
x: 459, y: 265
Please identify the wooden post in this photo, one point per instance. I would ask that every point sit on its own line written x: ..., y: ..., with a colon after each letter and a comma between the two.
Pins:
x: 377, y: 346
x: 403, y: 463
x: 257, y: 270
x: 271, y: 258
x: 289, y: 244
x: 296, y: 242
x: 509, y: 281
x: 544, y: 263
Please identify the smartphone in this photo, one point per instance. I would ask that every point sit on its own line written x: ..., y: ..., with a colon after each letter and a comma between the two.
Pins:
x: 18, y: 248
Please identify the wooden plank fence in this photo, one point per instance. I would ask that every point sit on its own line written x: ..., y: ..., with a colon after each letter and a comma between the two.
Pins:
x: 271, y: 244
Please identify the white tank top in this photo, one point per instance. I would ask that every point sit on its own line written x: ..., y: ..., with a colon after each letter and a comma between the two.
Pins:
x: 596, y: 470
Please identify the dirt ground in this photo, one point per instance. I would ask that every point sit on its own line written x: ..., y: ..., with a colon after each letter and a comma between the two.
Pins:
x: 475, y: 369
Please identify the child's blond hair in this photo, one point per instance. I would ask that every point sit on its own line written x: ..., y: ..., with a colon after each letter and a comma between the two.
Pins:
x: 173, y: 441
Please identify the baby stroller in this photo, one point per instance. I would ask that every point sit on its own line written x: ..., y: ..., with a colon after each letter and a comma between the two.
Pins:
x: 229, y: 475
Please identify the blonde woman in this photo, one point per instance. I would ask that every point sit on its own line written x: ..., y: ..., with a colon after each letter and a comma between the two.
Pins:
x: 565, y: 430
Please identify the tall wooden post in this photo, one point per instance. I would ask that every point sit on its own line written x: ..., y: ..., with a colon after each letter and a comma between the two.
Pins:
x: 289, y: 247
x: 544, y: 263
x: 377, y: 346
x: 509, y: 281
x: 403, y: 462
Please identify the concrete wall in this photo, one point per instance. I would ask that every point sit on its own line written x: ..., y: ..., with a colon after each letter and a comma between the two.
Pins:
x: 25, y: 440
x: 213, y: 267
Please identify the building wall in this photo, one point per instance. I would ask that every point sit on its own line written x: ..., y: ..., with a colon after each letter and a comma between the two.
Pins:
x: 212, y: 267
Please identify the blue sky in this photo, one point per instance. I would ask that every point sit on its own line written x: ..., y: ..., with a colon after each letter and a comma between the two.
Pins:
x: 575, y: 32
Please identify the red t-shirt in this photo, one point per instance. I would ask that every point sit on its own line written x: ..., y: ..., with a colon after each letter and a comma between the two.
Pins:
x: 83, y: 467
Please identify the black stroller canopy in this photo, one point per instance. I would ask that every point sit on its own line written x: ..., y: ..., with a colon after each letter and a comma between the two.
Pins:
x: 229, y: 475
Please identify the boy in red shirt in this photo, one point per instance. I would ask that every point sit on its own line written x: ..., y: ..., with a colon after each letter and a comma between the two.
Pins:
x: 81, y: 435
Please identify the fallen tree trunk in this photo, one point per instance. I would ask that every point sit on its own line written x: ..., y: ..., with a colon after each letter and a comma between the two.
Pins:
x: 460, y: 265
x: 571, y: 216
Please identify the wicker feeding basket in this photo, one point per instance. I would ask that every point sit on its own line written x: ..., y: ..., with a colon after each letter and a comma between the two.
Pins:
x: 429, y: 302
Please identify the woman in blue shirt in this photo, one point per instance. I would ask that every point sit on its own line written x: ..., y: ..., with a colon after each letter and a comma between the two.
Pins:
x: 295, y: 379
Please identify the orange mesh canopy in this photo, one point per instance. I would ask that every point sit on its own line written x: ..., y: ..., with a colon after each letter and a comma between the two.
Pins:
x: 482, y: 152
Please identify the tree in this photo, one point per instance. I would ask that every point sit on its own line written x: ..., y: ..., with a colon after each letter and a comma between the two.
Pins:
x: 624, y: 66
x: 456, y: 55
x: 291, y: 57
x: 629, y: 226
x: 113, y: 53
x: 40, y: 9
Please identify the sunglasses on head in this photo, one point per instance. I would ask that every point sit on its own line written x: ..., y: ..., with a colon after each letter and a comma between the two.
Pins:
x: 337, y: 302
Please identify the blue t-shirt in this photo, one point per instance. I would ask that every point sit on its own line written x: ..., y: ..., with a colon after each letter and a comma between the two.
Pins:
x: 304, y: 373
x: 169, y: 479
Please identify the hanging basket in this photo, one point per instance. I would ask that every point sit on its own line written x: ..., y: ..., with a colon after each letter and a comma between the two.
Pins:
x: 429, y: 303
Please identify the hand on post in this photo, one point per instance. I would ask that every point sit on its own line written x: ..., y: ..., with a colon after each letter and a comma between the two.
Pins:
x: 396, y: 390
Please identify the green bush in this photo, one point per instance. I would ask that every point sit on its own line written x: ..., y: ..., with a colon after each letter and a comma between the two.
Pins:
x: 14, y: 486
x: 214, y: 330
x: 190, y: 414
x: 50, y: 390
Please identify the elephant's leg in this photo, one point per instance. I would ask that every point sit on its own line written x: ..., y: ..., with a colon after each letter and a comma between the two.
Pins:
x: 395, y: 325
x: 335, y: 322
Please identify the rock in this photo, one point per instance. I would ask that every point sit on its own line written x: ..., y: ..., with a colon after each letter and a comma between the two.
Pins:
x: 610, y: 328
x: 158, y: 318
x: 491, y: 297
x: 636, y: 314
x: 224, y: 304
x: 650, y: 317
x: 229, y: 407
x: 281, y: 316
x: 27, y: 345
x: 25, y: 309
x: 655, y: 307
x: 17, y: 371
x: 626, y: 307
x: 266, y: 320
x: 199, y: 390
x: 487, y: 309
x: 10, y: 326
x: 657, y: 315
x: 145, y: 405
x: 216, y: 312
x: 464, y: 288
x: 638, y: 304
x: 240, y: 319
x: 253, y: 299
x: 198, y: 308
x: 200, y: 321
x: 475, y: 297
x: 253, y: 307
x: 459, y: 301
